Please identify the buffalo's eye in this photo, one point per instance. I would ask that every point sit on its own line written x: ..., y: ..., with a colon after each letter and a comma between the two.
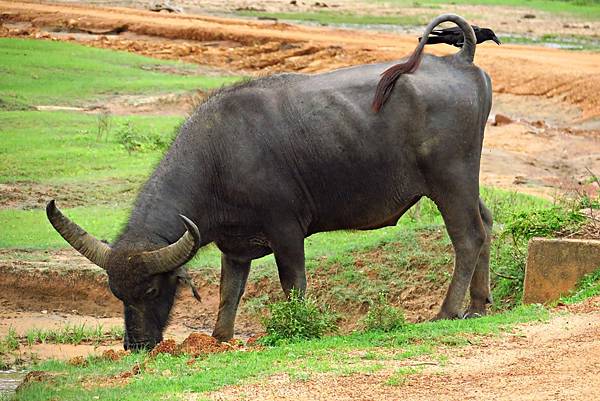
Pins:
x: 151, y: 292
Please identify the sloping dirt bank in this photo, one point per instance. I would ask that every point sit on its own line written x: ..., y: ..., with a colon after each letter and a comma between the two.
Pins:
x: 63, y: 283
x: 266, y: 47
x: 557, y: 360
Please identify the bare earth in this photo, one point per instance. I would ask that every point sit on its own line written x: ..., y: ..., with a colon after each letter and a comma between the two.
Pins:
x: 557, y: 360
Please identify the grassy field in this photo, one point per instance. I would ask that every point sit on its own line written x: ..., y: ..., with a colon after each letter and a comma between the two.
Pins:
x: 332, y: 17
x: 60, y: 73
x: 94, y: 178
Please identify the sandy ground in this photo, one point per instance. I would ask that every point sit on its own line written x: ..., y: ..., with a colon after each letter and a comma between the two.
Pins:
x: 557, y: 360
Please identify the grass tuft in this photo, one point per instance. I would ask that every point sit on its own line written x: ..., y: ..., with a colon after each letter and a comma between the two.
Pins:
x: 298, y: 318
x: 587, y: 287
x: 382, y: 316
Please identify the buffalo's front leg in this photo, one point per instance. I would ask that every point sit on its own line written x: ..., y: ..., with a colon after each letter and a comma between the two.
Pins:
x: 234, y: 274
x: 480, y: 284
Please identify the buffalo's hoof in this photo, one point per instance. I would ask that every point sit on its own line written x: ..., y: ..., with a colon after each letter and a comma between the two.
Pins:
x: 472, y: 315
x: 475, y: 311
x: 447, y: 316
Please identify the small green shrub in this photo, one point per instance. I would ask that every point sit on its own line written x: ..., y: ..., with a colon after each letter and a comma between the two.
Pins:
x: 509, y: 249
x: 104, y: 125
x: 382, y: 316
x: 586, y: 202
x: 135, y: 141
x: 543, y: 222
x: 297, y: 319
x: 11, y: 341
x: 507, y: 265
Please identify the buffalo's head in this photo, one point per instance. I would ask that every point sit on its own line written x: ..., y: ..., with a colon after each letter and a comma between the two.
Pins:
x: 144, y: 280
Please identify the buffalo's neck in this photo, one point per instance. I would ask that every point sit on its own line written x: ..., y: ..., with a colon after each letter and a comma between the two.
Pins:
x: 173, y: 189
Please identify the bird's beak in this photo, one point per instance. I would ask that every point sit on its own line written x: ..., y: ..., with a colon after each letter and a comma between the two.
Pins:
x: 495, y: 39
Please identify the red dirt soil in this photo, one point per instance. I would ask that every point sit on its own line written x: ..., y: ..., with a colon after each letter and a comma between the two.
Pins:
x: 196, y: 344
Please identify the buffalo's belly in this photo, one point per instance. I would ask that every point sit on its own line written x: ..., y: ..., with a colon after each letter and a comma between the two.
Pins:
x: 364, y: 210
x: 243, y: 242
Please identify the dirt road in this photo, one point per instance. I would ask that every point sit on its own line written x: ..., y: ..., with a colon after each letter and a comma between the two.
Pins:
x: 551, y: 96
x: 557, y: 360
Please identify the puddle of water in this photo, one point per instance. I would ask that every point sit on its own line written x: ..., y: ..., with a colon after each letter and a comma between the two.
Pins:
x: 10, y: 380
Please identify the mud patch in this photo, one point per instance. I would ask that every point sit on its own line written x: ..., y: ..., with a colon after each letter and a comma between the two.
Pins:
x: 539, y: 159
x: 26, y: 195
x: 177, y: 104
x: 36, y: 376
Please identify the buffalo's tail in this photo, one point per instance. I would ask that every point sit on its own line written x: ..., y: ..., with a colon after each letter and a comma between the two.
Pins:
x: 391, y: 75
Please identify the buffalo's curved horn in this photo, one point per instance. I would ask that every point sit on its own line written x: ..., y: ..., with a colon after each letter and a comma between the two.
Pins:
x: 90, y: 247
x: 175, y: 255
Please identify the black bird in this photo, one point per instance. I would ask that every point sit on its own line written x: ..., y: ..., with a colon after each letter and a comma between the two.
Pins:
x: 453, y: 36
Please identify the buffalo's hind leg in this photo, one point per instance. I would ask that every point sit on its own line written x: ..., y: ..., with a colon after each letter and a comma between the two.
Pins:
x: 459, y: 206
x: 288, y: 246
x: 480, y: 283
x: 234, y: 274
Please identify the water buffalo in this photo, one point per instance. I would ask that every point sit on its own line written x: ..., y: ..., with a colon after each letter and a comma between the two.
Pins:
x: 260, y: 166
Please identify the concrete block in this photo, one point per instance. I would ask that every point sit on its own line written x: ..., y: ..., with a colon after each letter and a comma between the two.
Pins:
x: 554, y: 266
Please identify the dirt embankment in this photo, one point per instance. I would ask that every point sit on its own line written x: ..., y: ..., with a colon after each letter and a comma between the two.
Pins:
x: 37, y: 286
x: 266, y: 47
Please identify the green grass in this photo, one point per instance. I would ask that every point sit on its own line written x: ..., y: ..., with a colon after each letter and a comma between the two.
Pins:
x: 30, y: 229
x: 570, y: 42
x: 342, y: 18
x: 338, y: 355
x: 61, y: 154
x: 73, y: 334
x: 588, y: 9
x: 587, y: 287
x: 10, y: 342
x: 59, y: 147
x: 34, y: 72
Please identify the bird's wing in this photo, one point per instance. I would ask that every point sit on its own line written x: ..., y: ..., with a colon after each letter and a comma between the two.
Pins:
x: 447, y: 31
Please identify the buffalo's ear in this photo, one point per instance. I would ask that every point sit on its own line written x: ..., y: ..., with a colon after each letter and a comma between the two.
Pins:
x: 184, y: 278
